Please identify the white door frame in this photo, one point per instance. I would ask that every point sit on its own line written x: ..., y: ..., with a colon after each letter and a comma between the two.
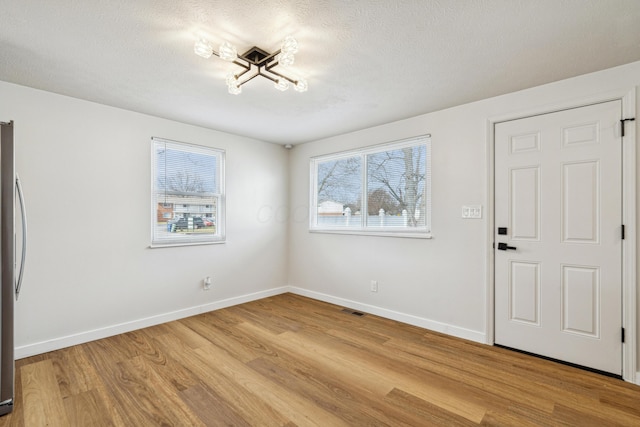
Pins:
x: 629, y: 286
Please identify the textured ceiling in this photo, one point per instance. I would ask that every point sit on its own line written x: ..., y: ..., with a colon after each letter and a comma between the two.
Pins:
x: 367, y: 62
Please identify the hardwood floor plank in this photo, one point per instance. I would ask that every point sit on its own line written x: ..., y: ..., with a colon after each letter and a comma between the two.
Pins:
x: 564, y: 415
x: 169, y: 369
x: 187, y: 334
x: 117, y: 412
x: 73, y: 371
x: 327, y: 317
x: 342, y: 365
x: 42, y: 399
x: 623, y: 400
x: 308, y: 376
x: 273, y: 323
x: 87, y: 409
x: 243, y: 401
x: 201, y: 401
x: 125, y: 390
x: 454, y: 398
x: 501, y: 385
x: 376, y: 378
x: 154, y: 331
x: 288, y: 403
x: 150, y: 392
x: 291, y: 361
x: 231, y: 339
x: 309, y: 373
x: 331, y: 394
x: 519, y: 416
x: 494, y: 380
x: 429, y: 413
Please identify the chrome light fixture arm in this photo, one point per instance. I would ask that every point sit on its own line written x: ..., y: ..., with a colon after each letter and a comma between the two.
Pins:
x: 263, y: 61
x: 269, y: 68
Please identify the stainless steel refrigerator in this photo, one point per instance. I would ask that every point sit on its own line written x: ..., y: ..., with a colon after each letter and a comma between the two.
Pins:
x: 11, y: 279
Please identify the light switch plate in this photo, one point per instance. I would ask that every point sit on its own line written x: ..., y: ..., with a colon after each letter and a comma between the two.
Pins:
x: 472, y: 211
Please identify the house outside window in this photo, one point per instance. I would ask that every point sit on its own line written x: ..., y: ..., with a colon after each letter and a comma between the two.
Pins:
x: 188, y: 194
x: 381, y: 190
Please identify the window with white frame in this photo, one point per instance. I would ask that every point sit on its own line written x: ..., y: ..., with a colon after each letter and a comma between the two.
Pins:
x: 187, y: 204
x: 381, y: 190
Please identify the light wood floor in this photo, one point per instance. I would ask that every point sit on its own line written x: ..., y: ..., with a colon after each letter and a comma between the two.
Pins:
x: 289, y: 360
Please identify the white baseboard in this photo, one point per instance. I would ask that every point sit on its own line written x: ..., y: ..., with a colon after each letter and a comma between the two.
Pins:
x: 637, y: 381
x: 433, y: 325
x: 96, y: 334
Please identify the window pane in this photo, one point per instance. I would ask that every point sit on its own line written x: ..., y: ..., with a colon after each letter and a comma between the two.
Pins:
x: 187, y: 193
x: 339, y: 192
x: 381, y: 190
x: 395, y: 187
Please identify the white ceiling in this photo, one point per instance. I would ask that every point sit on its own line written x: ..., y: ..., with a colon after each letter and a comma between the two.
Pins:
x: 367, y: 62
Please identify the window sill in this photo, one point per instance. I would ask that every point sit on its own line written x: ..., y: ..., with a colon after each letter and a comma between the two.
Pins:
x: 416, y: 235
x: 173, y: 245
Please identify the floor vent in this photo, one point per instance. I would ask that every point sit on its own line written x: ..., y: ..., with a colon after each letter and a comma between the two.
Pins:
x: 353, y: 312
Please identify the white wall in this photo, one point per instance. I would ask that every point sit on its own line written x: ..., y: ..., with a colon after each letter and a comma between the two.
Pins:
x: 85, y: 170
x: 439, y: 283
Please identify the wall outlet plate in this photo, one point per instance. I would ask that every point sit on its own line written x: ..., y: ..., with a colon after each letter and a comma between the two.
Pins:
x: 472, y: 211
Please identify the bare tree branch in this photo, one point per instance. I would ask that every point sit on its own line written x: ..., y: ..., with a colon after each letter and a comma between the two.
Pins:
x: 186, y: 182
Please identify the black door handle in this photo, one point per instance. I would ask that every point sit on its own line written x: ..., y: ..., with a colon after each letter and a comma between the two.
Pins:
x: 504, y: 247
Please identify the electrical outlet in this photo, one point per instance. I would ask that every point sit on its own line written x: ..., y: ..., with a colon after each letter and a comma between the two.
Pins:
x: 206, y: 283
x: 374, y: 286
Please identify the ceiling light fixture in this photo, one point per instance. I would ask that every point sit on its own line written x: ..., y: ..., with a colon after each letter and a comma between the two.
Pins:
x: 255, y: 62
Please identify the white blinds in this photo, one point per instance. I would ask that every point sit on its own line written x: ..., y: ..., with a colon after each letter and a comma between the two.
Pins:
x: 187, y: 192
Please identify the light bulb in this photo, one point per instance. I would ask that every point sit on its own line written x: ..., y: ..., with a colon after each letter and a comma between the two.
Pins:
x: 231, y: 79
x: 232, y: 84
x: 289, y: 45
x: 301, y: 85
x: 228, y: 52
x: 281, y: 84
x: 286, y: 59
x: 235, y: 90
x: 203, y: 48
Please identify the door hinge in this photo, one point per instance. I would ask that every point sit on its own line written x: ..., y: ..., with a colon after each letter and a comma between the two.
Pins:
x: 622, y: 334
x: 622, y: 124
x: 622, y: 231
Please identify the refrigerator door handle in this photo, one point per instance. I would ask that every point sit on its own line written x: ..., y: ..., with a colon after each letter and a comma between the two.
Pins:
x: 24, y: 236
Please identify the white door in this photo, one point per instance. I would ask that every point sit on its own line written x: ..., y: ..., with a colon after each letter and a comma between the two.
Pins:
x: 558, y: 194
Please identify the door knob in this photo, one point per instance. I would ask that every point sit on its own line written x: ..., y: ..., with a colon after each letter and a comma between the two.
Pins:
x: 504, y: 247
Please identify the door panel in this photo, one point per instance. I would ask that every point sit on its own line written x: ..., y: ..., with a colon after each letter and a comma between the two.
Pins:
x: 581, y: 300
x: 524, y: 203
x: 558, y: 288
x: 524, y: 288
x: 580, y: 202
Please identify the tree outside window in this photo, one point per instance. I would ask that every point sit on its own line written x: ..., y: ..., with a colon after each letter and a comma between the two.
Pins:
x: 394, y: 178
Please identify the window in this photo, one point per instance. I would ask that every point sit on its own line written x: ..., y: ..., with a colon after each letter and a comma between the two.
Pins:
x: 382, y: 190
x: 187, y: 194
